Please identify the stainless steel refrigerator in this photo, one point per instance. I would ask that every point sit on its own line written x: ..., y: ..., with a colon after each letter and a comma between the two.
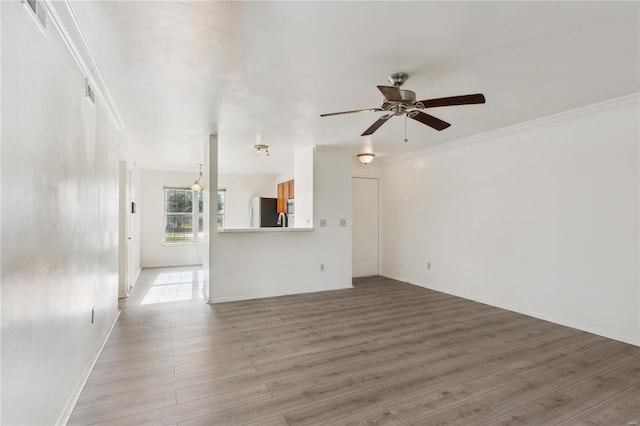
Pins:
x: 263, y: 212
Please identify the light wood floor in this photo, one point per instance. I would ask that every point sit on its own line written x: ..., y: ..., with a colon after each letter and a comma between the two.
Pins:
x: 382, y: 353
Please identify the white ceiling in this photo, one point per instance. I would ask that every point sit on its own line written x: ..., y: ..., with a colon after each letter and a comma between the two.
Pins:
x: 251, y: 71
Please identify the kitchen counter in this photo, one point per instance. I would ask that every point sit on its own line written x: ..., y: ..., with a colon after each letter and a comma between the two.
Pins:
x: 271, y: 229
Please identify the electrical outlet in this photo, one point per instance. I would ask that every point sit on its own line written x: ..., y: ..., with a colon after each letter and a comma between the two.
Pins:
x: 343, y: 222
x: 323, y: 223
x: 429, y: 265
x: 322, y: 266
x: 93, y: 315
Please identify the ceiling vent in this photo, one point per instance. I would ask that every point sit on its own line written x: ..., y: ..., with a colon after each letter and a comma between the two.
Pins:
x: 90, y: 94
x: 38, y: 12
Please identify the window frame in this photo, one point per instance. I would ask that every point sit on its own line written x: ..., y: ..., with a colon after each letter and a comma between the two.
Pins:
x: 224, y: 208
x: 196, y: 235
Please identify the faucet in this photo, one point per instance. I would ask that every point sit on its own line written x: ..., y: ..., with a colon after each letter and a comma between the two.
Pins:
x: 282, y: 220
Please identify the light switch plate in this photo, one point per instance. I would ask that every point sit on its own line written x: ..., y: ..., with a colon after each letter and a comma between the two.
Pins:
x: 343, y: 222
x: 323, y: 223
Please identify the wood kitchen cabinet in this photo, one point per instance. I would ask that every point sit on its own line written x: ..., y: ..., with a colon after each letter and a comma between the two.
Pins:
x: 281, y: 203
x: 285, y: 192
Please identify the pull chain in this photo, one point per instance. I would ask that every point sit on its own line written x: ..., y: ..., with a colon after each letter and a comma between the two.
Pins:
x: 405, y: 129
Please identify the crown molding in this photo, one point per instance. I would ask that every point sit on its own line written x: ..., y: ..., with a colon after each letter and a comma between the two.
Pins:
x: 66, y: 23
x: 527, y: 125
x: 331, y: 148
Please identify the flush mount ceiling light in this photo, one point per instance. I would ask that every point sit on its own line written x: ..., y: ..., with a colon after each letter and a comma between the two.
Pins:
x: 259, y: 148
x: 366, y: 157
x: 197, y: 185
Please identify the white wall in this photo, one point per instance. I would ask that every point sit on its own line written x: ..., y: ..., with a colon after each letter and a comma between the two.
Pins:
x: 240, y: 189
x: 0, y: 213
x: 259, y: 264
x: 541, y: 219
x: 371, y: 170
x: 303, y: 175
x: 154, y: 251
x: 284, y: 177
x: 59, y: 224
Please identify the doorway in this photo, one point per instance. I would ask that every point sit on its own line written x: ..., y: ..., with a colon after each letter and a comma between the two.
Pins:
x: 365, y: 255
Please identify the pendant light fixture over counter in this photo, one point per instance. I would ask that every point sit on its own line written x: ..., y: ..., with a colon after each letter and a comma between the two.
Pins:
x: 197, y: 185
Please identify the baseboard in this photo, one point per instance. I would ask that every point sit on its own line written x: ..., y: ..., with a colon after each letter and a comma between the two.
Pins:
x: 136, y: 277
x: 73, y: 399
x: 392, y: 277
x: 273, y: 294
x: 205, y: 294
x: 170, y: 266
x: 635, y: 341
x: 632, y: 340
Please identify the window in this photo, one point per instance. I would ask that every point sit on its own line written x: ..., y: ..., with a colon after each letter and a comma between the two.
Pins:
x: 222, y: 201
x: 182, y: 221
x: 178, y: 207
x: 200, y: 213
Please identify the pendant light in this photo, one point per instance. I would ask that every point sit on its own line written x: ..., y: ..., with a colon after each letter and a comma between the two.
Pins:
x: 197, y: 185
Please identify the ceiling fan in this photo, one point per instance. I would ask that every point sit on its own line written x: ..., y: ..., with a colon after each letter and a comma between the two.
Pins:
x: 399, y: 101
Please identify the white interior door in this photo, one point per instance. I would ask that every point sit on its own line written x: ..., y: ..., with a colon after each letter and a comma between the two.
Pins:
x: 123, y: 231
x: 365, y: 227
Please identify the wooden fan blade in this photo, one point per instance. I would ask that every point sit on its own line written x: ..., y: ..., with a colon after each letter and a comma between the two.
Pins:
x: 477, y: 98
x: 390, y: 93
x: 429, y: 120
x: 375, y: 126
x: 350, y: 112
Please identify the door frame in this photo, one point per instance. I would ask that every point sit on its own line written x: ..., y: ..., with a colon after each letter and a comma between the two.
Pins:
x: 124, y: 200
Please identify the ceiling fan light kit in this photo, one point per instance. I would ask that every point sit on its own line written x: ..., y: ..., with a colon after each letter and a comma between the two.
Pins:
x: 366, y: 157
x: 399, y: 102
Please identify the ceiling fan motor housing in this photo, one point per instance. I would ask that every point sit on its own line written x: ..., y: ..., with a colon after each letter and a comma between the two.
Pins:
x: 399, y: 108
